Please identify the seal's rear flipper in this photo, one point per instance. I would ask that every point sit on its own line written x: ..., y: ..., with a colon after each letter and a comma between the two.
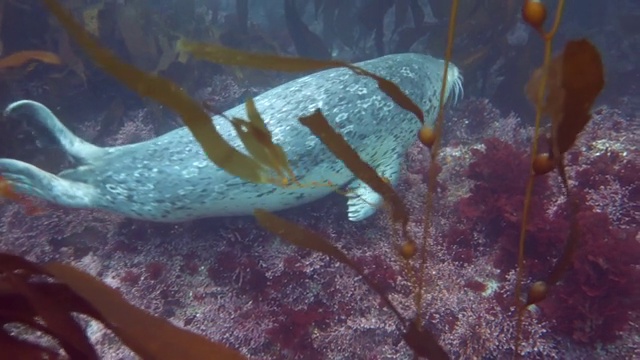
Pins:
x: 80, y: 150
x: 30, y: 180
x: 363, y: 201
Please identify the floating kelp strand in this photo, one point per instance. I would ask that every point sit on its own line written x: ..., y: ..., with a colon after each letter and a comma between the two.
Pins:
x: 223, y: 55
x: 341, y: 149
x: 166, y: 92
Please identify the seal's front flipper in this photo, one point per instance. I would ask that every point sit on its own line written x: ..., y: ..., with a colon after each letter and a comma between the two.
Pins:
x: 363, y: 201
x: 30, y: 180
x: 80, y: 150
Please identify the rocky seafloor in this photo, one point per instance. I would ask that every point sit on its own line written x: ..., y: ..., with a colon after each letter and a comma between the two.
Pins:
x: 233, y: 282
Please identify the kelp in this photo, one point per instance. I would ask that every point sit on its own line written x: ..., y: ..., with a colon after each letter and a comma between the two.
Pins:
x: 340, y: 148
x: 226, y: 56
x: 563, y: 89
x: 432, y: 139
x: 195, y: 118
x: 164, y: 91
x: 44, y: 298
x: 567, y: 102
x: 575, y: 78
x: 20, y: 58
x: 301, y: 237
x: 535, y: 14
x: 420, y: 340
x: 258, y: 141
x: 573, y: 81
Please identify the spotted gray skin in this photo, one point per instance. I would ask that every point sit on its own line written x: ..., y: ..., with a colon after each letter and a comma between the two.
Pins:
x: 170, y: 179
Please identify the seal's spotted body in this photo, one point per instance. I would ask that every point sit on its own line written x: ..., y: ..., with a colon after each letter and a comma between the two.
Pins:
x: 170, y: 179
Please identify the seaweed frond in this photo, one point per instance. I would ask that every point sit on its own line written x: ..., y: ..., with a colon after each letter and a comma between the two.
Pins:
x: 44, y: 298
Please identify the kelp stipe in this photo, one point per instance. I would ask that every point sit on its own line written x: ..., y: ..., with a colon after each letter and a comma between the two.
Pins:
x: 166, y: 92
x: 563, y: 89
x: 421, y: 341
x: 534, y: 13
x: 570, y: 92
x: 432, y: 139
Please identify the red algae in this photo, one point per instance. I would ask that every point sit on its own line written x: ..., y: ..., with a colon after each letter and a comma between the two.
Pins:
x: 476, y: 286
x: 154, y: 270
x: 230, y: 281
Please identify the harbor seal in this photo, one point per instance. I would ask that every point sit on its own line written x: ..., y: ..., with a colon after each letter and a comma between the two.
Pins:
x: 170, y: 179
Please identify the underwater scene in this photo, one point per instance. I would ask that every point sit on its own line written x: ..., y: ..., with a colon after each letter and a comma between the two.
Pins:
x: 326, y: 179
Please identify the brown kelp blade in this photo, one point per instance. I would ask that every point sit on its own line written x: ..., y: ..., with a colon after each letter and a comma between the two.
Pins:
x: 248, y: 135
x: 223, y: 55
x: 167, y: 93
x: 27, y: 296
x: 582, y: 81
x: 300, y: 236
x: 10, y: 263
x: 58, y: 321
x: 540, y: 289
x: 575, y: 78
x: 276, y: 157
x: 149, y: 336
x: 254, y: 116
x: 341, y: 149
x: 22, y: 57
